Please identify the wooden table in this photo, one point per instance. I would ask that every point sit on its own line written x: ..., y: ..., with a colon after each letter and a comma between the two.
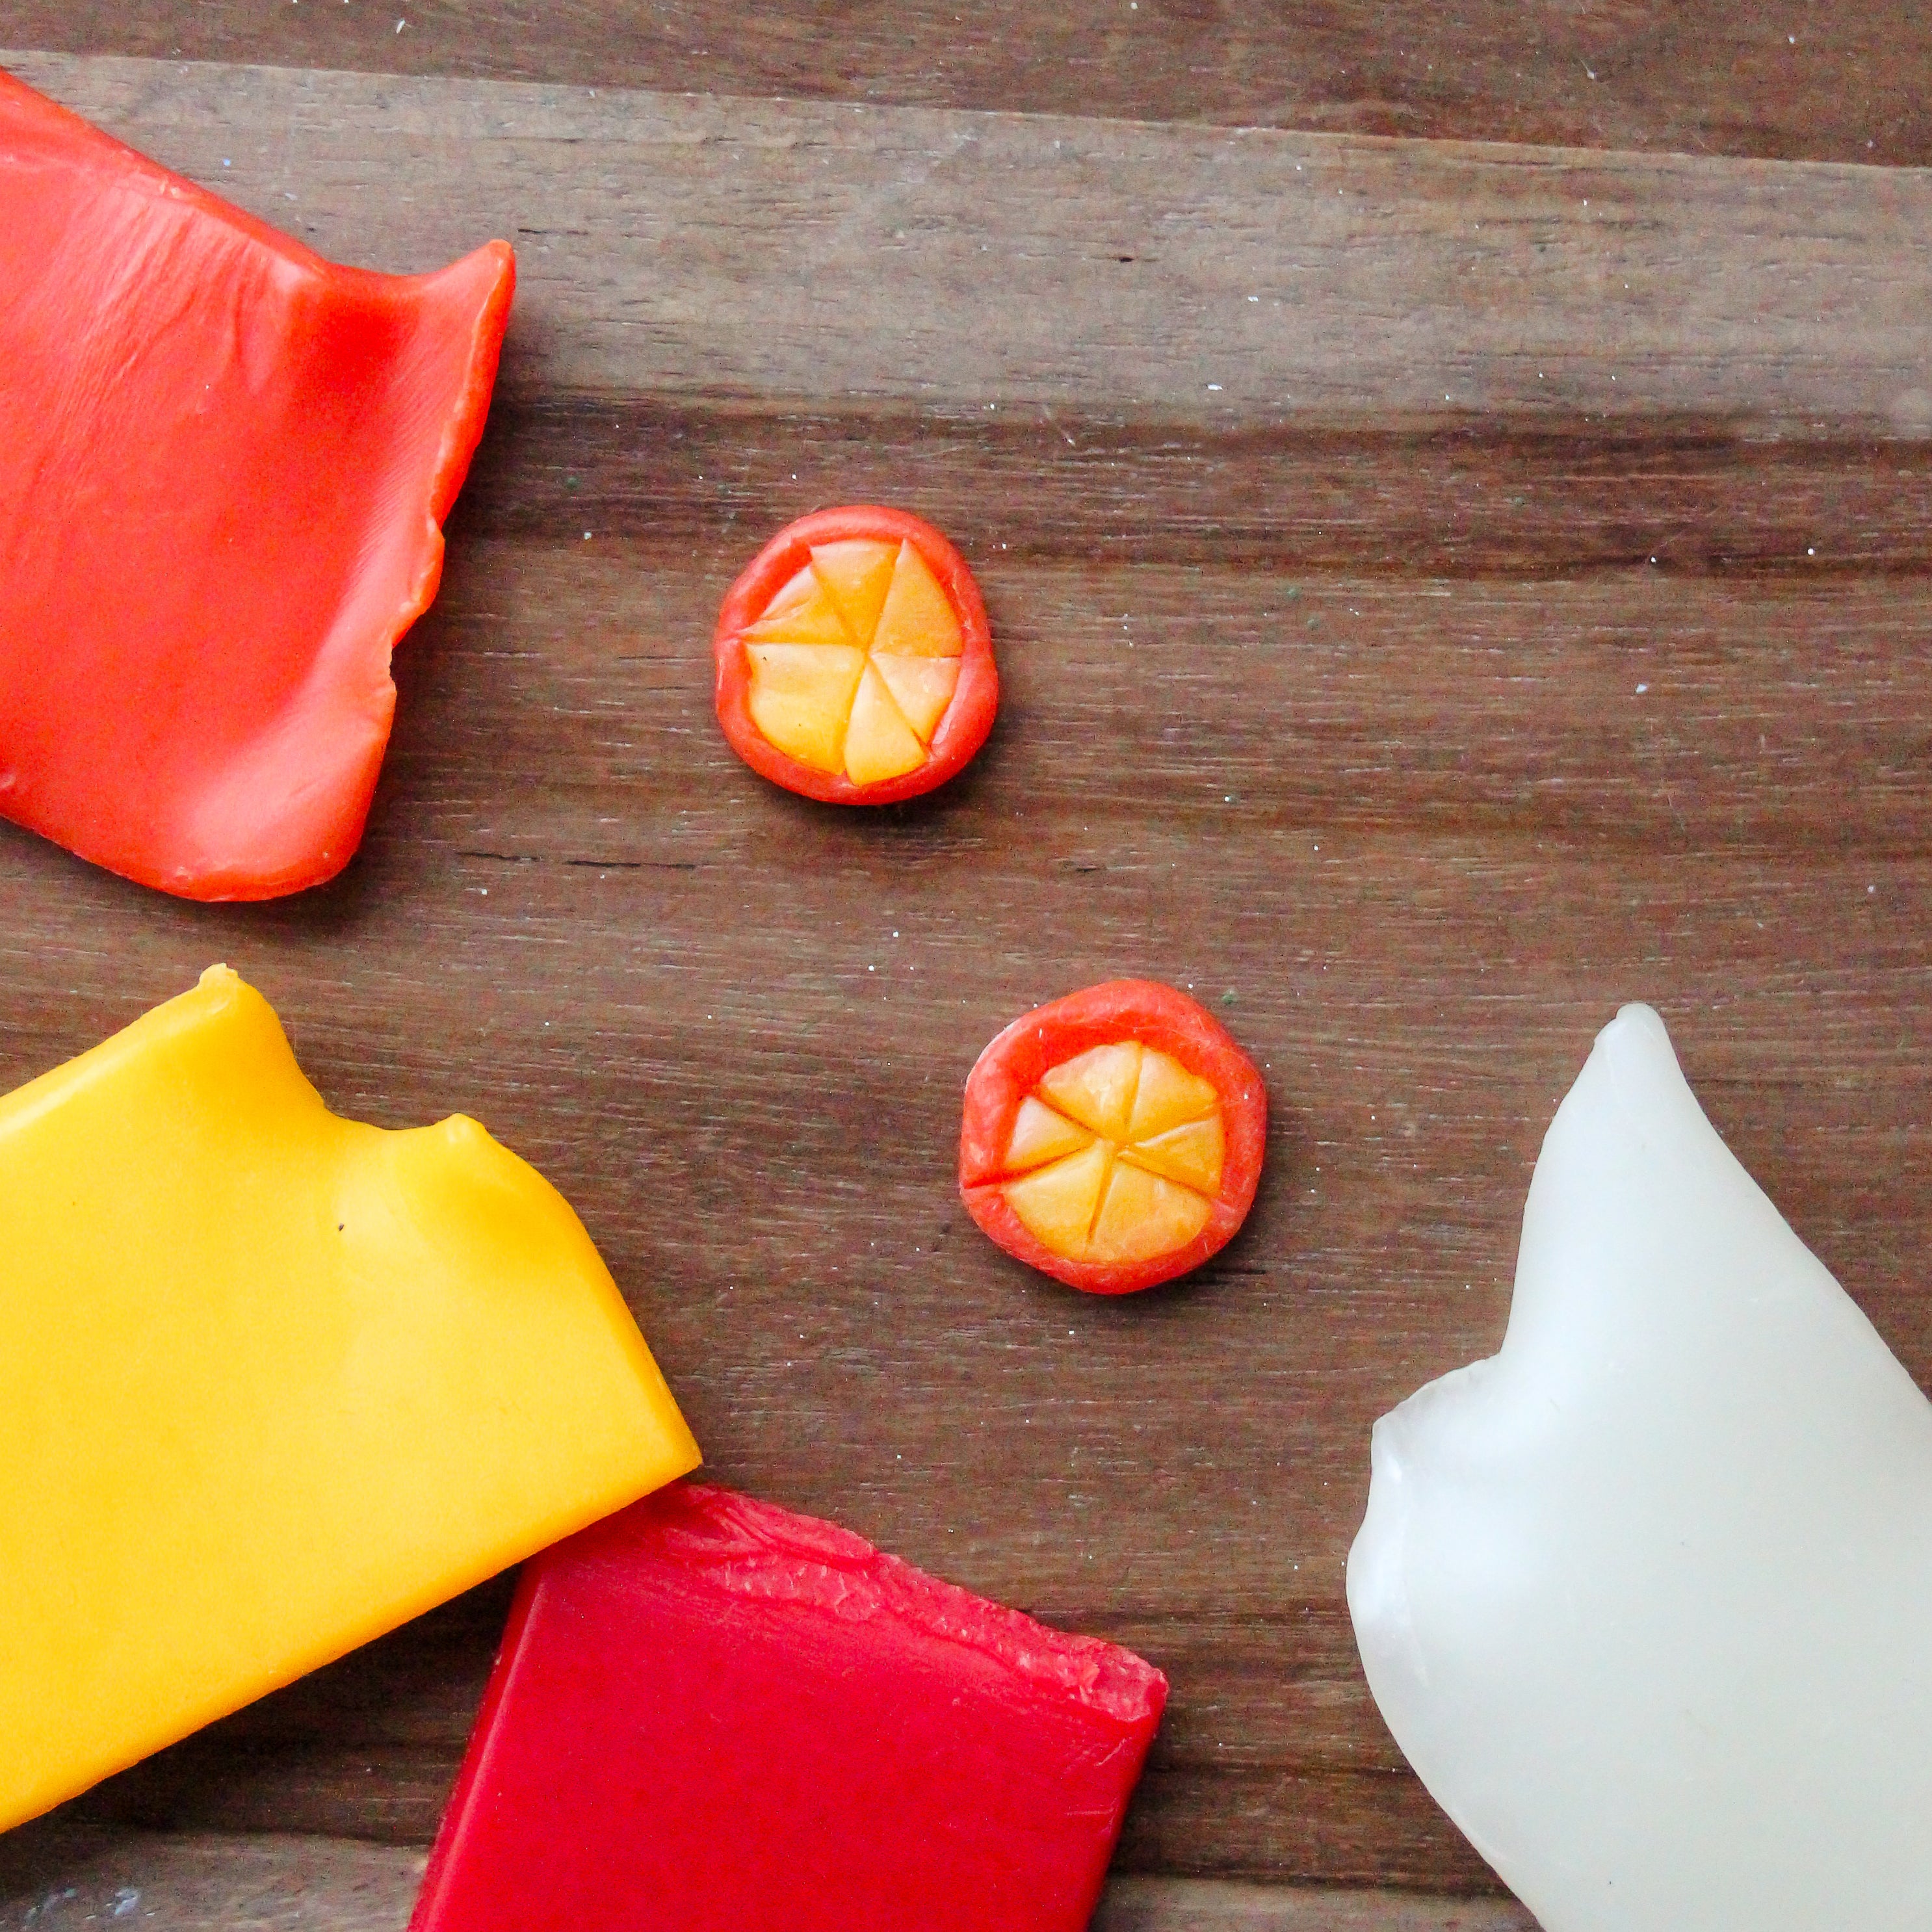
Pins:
x: 1442, y: 589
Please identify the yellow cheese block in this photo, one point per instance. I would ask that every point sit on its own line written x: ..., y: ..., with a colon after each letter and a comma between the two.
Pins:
x: 271, y: 1384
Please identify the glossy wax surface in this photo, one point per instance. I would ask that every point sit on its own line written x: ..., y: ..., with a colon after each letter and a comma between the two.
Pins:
x: 1647, y: 1598
x: 710, y: 1715
x: 223, y: 463
x: 271, y: 1383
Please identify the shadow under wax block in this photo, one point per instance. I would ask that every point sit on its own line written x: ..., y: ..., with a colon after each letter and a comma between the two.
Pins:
x: 711, y: 1715
x: 271, y: 1383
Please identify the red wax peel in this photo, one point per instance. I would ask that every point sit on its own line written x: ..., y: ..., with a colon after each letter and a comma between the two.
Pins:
x: 711, y: 1715
x: 223, y: 462
x: 1113, y: 1139
x: 854, y: 661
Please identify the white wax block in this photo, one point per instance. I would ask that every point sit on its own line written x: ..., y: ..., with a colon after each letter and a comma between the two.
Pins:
x: 1647, y: 1598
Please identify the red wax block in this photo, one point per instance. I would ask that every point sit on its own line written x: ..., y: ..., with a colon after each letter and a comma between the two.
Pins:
x: 711, y: 1715
x: 224, y: 462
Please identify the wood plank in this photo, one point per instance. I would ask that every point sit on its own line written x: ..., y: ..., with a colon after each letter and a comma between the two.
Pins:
x: 1629, y: 708
x: 184, y: 1883
x: 1374, y: 723
x: 1184, y: 1905
x: 1715, y: 76
x: 1481, y: 498
x: 70, y: 1877
x: 673, y: 245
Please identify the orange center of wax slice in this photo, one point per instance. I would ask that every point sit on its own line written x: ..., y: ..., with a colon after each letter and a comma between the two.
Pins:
x: 855, y: 660
x: 1116, y: 1155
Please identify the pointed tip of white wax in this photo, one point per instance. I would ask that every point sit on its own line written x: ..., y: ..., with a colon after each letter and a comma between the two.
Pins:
x: 1647, y: 1597
x: 1633, y: 1067
x: 1634, y: 1017
x: 1634, y: 1051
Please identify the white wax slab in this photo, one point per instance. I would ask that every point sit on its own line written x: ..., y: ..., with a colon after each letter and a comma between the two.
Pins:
x: 1646, y: 1598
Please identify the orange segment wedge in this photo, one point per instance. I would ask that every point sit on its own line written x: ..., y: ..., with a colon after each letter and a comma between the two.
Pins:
x: 879, y: 742
x: 803, y: 613
x: 1167, y: 1096
x: 857, y: 572
x: 1117, y: 1156
x: 886, y: 646
x: 801, y: 695
x: 1192, y: 1153
x: 1040, y: 1135
x: 1058, y: 1204
x: 1142, y: 1216
x: 917, y: 620
x: 1097, y: 1088
x: 921, y: 687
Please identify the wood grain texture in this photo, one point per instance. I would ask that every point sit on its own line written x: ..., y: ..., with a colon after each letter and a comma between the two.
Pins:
x: 671, y: 245
x: 1703, y: 76
x: 65, y: 1878
x: 1462, y: 499
x: 1184, y: 1905
x: 1413, y: 739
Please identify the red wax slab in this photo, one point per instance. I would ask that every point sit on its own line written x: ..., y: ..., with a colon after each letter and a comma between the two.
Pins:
x: 223, y: 465
x: 711, y: 1715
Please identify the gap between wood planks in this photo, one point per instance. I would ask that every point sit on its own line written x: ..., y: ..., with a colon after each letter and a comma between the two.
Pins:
x: 680, y: 245
x: 207, y: 1883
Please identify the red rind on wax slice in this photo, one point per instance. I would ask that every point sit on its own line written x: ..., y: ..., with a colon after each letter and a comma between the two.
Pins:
x: 709, y: 1714
x: 854, y: 659
x: 224, y: 462
x: 1114, y: 1138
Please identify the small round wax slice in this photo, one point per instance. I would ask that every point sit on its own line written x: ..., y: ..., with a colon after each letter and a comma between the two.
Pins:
x: 1114, y: 1138
x: 854, y: 660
